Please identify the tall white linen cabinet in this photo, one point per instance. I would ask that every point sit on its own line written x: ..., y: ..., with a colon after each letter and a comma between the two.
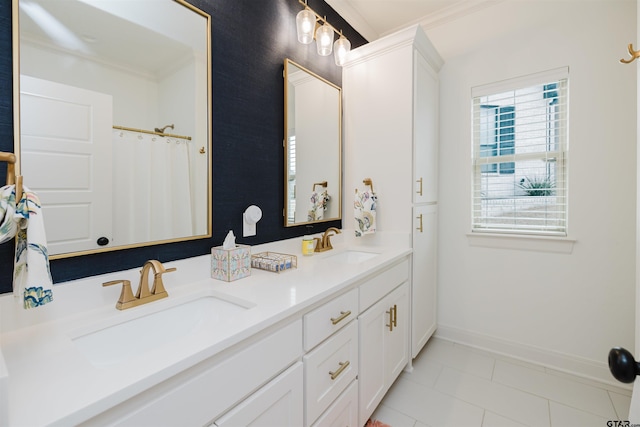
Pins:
x: 390, y: 89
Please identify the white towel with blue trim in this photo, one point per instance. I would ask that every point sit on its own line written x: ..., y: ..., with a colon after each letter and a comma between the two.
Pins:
x: 31, y: 274
x: 365, y: 212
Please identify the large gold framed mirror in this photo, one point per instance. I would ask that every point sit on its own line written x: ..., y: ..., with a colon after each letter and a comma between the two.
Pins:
x: 313, y: 147
x: 113, y: 120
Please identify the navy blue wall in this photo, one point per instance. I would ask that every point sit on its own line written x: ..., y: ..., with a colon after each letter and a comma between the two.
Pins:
x: 249, y: 43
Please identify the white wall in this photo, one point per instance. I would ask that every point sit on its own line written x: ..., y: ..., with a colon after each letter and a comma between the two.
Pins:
x: 135, y: 96
x: 565, y: 310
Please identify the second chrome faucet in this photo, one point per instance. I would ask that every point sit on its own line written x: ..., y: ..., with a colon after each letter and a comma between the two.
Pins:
x: 144, y: 294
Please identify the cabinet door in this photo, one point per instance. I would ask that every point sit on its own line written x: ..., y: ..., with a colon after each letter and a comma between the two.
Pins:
x: 423, y: 284
x: 396, y: 343
x: 425, y: 137
x: 279, y: 403
x: 372, y: 331
x: 384, y: 348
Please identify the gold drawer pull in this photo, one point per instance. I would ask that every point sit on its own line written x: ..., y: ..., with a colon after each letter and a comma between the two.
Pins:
x: 395, y: 315
x: 420, y: 190
x: 343, y: 366
x: 343, y: 315
x: 420, y: 227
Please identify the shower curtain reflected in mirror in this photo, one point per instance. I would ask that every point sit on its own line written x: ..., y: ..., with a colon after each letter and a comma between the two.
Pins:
x: 152, y: 175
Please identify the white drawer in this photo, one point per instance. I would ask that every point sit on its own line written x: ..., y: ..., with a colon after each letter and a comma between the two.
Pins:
x: 377, y: 287
x: 329, y: 369
x: 327, y: 319
x: 203, y: 392
x: 343, y: 412
x: 278, y: 403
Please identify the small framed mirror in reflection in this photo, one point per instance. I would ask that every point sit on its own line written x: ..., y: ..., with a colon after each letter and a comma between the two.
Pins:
x: 114, y: 120
x: 313, y: 147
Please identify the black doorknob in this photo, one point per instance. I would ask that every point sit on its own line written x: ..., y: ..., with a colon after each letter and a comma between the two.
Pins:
x: 102, y: 241
x: 622, y: 365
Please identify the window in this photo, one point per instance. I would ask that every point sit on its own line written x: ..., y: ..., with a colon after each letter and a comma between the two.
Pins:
x: 520, y: 155
x: 497, y: 136
x: 291, y: 176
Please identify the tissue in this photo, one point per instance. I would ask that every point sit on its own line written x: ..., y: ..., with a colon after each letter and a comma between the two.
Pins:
x: 229, y: 241
x: 230, y: 262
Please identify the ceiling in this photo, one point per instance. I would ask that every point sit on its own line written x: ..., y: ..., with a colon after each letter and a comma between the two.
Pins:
x: 376, y: 18
x: 87, y: 29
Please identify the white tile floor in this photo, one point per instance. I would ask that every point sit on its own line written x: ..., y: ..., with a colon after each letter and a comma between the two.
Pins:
x: 456, y: 386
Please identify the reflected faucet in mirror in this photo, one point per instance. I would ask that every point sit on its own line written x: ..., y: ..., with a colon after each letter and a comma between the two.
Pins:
x: 144, y: 294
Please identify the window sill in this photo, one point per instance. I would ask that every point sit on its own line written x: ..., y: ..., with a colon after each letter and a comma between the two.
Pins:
x: 522, y: 242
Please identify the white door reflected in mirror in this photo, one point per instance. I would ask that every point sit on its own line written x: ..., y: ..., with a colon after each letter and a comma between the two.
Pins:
x: 125, y: 177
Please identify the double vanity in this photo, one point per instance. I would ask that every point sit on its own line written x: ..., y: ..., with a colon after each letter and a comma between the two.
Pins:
x: 316, y: 345
x: 308, y: 346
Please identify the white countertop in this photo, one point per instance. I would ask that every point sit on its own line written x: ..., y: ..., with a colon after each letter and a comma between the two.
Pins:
x: 47, y: 380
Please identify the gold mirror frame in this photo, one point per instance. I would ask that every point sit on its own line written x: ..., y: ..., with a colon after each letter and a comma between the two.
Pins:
x: 322, y: 169
x: 205, y: 150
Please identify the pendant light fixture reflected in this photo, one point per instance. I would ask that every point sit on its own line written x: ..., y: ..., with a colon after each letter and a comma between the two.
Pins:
x: 310, y: 25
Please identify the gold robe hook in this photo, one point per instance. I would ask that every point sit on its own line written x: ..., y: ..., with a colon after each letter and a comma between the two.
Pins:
x: 634, y: 55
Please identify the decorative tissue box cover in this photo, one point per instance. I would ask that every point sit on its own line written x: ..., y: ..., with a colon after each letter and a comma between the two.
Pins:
x: 230, y: 264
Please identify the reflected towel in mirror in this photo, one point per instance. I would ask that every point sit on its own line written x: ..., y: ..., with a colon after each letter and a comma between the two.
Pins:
x: 319, y: 202
x: 365, y: 212
x: 31, y: 275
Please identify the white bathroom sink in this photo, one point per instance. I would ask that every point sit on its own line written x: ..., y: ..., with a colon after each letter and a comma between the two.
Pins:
x: 108, y: 345
x: 351, y: 256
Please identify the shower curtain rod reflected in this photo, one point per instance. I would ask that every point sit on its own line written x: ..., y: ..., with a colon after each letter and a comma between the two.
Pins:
x: 152, y: 132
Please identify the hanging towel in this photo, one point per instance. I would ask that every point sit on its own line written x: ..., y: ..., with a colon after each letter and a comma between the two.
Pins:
x: 8, y: 223
x: 31, y: 275
x: 319, y: 202
x: 365, y: 212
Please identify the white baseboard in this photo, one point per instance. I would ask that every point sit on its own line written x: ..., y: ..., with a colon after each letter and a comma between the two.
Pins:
x: 585, y: 368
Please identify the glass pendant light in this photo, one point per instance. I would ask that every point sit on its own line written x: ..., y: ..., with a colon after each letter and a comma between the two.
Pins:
x: 324, y: 40
x: 341, y: 47
x: 305, y: 24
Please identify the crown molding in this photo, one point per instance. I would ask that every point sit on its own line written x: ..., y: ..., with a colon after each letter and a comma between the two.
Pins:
x: 353, y: 17
x: 456, y: 11
x: 410, y: 36
x: 450, y: 13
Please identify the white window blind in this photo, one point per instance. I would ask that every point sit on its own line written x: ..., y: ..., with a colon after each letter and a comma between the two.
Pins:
x: 520, y: 155
x: 291, y: 196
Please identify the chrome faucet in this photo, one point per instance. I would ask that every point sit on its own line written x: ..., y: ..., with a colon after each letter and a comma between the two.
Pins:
x: 324, y: 243
x: 143, y: 294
